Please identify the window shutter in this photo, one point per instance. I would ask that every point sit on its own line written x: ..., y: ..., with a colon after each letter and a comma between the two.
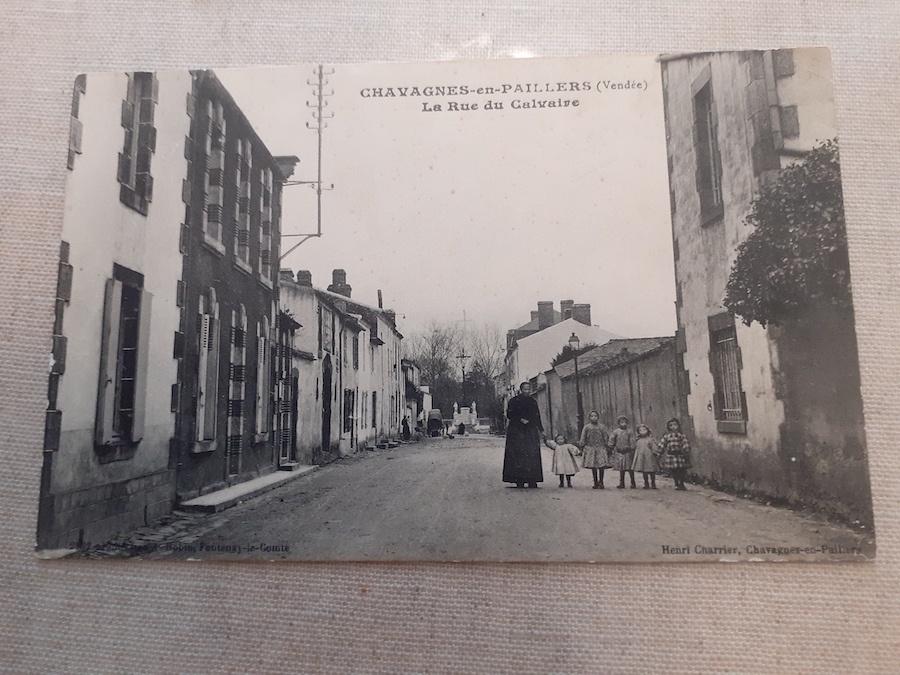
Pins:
x: 147, y: 137
x: 140, y: 388
x: 202, y: 395
x: 109, y: 341
x: 212, y: 377
x: 124, y: 168
x: 127, y: 114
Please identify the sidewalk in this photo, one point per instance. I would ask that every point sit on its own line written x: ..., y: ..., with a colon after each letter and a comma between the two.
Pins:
x: 227, y: 497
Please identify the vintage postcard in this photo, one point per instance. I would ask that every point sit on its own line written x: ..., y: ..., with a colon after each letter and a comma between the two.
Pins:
x: 591, y: 309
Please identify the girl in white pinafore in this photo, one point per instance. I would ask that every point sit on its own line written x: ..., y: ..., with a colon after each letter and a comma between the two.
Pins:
x: 564, y: 454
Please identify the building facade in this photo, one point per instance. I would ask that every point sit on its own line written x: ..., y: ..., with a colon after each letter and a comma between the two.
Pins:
x: 225, y: 344
x: 110, y: 413
x: 531, y: 348
x: 635, y: 377
x: 773, y: 410
x: 350, y: 388
x: 163, y: 387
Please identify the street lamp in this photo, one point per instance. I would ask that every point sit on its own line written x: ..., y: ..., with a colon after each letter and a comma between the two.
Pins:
x: 574, y: 344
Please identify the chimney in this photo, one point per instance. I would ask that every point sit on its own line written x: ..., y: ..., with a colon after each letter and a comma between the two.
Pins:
x: 380, y: 300
x: 565, y: 308
x: 391, y: 316
x: 286, y: 164
x: 286, y: 274
x: 304, y: 278
x: 582, y: 313
x: 339, y: 283
x: 545, y: 314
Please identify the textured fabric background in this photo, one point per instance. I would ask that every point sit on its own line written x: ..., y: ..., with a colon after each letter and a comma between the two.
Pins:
x: 133, y: 616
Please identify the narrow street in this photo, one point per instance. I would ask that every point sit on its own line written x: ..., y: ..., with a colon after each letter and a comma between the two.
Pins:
x: 442, y: 499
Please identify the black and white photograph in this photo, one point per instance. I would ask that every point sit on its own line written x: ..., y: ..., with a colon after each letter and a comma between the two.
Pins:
x: 581, y: 309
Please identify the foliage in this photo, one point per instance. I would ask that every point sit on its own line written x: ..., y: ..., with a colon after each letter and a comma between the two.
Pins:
x: 567, y: 353
x: 438, y: 348
x: 797, y: 252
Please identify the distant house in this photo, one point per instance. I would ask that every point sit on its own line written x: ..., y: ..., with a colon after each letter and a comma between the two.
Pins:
x: 531, y: 348
x: 350, y: 391
x: 774, y: 410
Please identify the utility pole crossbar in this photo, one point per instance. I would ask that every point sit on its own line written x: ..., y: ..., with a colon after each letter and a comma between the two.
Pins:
x: 320, y: 117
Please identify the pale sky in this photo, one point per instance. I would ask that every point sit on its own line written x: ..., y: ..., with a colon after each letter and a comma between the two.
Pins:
x: 482, y: 212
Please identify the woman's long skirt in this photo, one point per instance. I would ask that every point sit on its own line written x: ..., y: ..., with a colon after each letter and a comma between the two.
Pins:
x: 522, y: 458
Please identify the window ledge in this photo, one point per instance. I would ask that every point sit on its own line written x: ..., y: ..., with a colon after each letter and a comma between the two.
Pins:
x: 243, y: 267
x: 203, y: 447
x: 213, y: 244
x: 266, y: 282
x: 116, y: 451
x: 260, y: 438
x: 712, y: 215
x: 730, y: 427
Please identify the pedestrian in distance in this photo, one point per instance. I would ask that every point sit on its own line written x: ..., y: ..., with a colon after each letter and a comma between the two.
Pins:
x: 621, y: 447
x: 522, y: 456
x: 564, y: 463
x: 676, y: 452
x: 406, y: 434
x: 594, y: 441
x: 646, y: 456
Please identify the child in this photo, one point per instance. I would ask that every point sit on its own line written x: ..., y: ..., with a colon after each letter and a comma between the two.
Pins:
x: 621, y: 446
x: 676, y: 452
x: 564, y: 463
x: 594, y: 439
x: 645, y: 456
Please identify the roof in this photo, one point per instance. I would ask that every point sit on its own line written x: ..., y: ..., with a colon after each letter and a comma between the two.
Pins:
x: 353, y: 306
x: 533, y: 325
x: 613, y: 354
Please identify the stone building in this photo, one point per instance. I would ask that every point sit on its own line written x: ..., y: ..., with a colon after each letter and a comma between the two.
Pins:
x: 110, y: 412
x: 531, y: 348
x: 350, y: 391
x: 772, y: 410
x: 225, y: 345
x: 162, y: 377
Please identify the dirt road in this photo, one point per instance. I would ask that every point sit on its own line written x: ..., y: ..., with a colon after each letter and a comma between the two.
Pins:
x: 443, y: 500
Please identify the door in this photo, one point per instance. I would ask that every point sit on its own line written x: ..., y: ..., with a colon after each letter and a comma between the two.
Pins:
x: 326, y: 405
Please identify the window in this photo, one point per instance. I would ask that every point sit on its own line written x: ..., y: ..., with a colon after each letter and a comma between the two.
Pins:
x: 374, y: 408
x: 208, y: 367
x: 706, y: 146
x: 730, y: 404
x: 215, y: 172
x: 265, y: 226
x: 262, y: 378
x: 123, y: 360
x: 242, y: 210
x: 327, y: 330
x: 75, y: 126
x: 349, y: 402
x: 136, y: 189
x: 356, y: 351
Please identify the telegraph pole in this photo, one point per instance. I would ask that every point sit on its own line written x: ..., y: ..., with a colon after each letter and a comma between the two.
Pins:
x: 320, y: 116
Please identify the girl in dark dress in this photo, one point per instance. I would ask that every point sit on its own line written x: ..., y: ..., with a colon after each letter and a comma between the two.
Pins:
x: 522, y: 458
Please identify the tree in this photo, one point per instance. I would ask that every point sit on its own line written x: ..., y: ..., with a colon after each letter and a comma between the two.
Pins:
x: 435, y: 349
x: 486, y: 348
x: 567, y: 353
x: 796, y: 255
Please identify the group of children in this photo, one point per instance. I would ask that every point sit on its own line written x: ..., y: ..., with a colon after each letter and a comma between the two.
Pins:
x: 624, y: 451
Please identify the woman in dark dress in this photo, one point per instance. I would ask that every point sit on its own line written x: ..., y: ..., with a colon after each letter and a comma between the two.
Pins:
x: 522, y: 459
